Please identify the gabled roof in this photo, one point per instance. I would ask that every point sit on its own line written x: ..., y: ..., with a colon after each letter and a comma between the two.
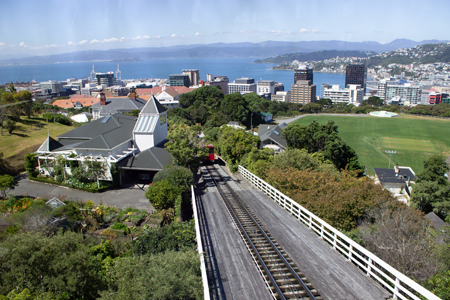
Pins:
x: 152, y: 107
x: 153, y: 159
x: 388, y: 175
x: 158, y: 89
x: 104, y: 133
x: 119, y: 104
x: 272, y: 132
x: 49, y: 145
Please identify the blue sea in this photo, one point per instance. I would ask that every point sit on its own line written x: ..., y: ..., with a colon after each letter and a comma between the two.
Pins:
x: 162, y: 68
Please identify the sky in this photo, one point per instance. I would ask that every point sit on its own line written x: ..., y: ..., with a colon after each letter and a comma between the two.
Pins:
x: 58, y: 26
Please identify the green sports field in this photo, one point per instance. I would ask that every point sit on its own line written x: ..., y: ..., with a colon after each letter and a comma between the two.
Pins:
x: 413, y: 138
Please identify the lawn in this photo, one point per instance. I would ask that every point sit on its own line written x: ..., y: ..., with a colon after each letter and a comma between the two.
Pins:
x: 27, y: 138
x: 413, y: 138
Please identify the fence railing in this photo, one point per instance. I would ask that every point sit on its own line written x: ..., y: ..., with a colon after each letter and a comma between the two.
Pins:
x: 200, y: 248
x: 392, y: 280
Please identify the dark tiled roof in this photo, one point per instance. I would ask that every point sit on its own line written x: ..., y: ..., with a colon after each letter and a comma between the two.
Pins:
x: 49, y: 145
x: 272, y: 132
x: 153, y: 159
x: 388, y: 175
x: 153, y: 106
x: 98, y: 135
x: 119, y: 104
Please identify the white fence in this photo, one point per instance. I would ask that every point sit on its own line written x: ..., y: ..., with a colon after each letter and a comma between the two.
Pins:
x: 200, y: 248
x: 397, y: 283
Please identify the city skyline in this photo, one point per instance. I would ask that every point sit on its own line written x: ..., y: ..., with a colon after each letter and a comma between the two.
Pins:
x: 51, y: 26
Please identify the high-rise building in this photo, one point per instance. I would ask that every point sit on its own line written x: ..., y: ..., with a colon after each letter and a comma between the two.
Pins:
x: 221, y: 81
x: 282, y: 96
x: 106, y: 79
x: 356, y: 74
x: 179, y: 80
x: 303, y: 92
x: 194, y: 76
x: 242, y: 85
x: 409, y: 95
x: 303, y: 73
x: 264, y: 87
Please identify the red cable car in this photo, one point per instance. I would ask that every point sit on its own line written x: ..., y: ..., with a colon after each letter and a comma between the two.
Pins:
x: 211, y: 157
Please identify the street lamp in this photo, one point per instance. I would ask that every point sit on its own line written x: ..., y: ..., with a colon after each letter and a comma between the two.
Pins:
x: 251, y: 122
x: 390, y: 154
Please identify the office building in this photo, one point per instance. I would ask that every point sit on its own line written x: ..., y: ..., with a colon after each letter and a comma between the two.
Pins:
x: 220, y: 81
x: 194, y: 76
x: 179, y: 80
x: 303, y: 73
x: 303, y: 92
x: 353, y: 94
x: 265, y: 88
x: 105, y: 79
x: 282, y: 97
x: 356, y: 74
x: 242, y: 85
x: 409, y: 95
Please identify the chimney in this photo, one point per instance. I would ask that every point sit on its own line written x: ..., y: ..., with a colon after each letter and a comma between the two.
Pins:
x: 102, y: 99
x: 133, y: 95
x: 397, y: 170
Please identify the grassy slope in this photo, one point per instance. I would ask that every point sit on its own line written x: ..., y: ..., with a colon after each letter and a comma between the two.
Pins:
x: 24, y: 140
x: 413, y: 138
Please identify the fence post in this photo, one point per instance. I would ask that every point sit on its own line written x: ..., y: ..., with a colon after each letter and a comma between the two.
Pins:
x: 369, y: 268
x: 321, y: 231
x: 397, y: 283
x: 350, y: 249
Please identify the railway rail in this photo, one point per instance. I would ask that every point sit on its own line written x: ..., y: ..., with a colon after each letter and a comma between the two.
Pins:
x: 282, y: 277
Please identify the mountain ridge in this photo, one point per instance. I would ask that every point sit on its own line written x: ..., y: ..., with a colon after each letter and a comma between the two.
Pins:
x: 220, y: 50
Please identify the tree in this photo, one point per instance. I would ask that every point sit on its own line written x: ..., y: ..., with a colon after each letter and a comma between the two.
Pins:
x: 400, y: 236
x: 373, y: 100
x: 234, y: 107
x: 62, y: 264
x: 163, y: 195
x: 186, y: 146
x: 170, y: 275
x: 323, y: 139
x: 7, y: 182
x: 325, y: 102
x: 178, y: 176
x: 96, y: 169
x: 432, y: 189
x: 235, y: 143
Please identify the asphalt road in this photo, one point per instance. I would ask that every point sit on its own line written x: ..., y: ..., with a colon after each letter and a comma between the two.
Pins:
x: 132, y: 196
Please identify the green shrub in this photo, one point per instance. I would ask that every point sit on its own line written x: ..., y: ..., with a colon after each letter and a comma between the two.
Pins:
x: 119, y: 226
x: 30, y: 164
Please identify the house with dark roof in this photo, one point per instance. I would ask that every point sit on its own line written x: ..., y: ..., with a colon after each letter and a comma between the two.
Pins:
x: 115, y: 105
x: 397, y: 180
x: 270, y: 136
x: 439, y: 226
x: 133, y: 143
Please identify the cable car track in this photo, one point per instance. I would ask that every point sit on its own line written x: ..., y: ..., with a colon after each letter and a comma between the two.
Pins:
x: 281, y: 275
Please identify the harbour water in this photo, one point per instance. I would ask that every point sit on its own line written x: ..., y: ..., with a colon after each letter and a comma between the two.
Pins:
x: 162, y: 68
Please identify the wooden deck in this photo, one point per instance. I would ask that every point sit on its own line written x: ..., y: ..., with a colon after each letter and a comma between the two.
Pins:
x: 329, y: 272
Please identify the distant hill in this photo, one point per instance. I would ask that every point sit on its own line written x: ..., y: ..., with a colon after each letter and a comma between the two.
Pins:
x: 422, y: 54
x: 219, y: 50
x: 314, y: 56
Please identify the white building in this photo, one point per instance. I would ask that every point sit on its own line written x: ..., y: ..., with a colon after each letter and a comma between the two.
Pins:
x: 282, y: 97
x: 351, y: 95
x: 242, y: 85
x: 264, y: 87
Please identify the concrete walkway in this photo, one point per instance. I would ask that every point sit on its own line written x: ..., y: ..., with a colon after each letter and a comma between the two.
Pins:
x: 290, y: 120
x: 132, y: 196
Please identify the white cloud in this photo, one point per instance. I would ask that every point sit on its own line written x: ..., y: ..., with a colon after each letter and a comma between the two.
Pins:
x: 71, y: 43
x: 83, y: 42
x: 22, y: 44
x: 2, y: 44
x: 315, y: 31
x: 94, y: 41
x: 156, y: 36
x: 197, y: 34
x: 110, y: 40
x: 245, y: 31
x: 304, y: 30
x: 51, y: 46
x: 173, y: 35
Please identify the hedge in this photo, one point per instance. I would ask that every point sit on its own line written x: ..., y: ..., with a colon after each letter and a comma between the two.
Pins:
x: 90, y: 190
